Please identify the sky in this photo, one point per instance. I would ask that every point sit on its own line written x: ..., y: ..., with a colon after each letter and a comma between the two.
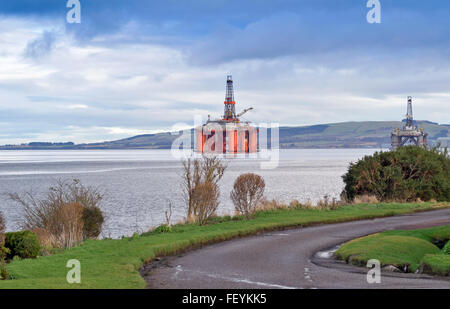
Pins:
x: 134, y: 67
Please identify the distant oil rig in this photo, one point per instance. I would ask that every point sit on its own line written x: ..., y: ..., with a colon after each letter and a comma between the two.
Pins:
x: 410, y: 134
x: 229, y: 134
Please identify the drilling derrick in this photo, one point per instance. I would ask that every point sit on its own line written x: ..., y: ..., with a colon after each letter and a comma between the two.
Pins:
x: 410, y: 134
x: 229, y: 110
x: 409, y: 114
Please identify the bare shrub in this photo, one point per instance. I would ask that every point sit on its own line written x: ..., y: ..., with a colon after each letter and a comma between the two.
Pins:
x: 59, y: 211
x: 46, y: 239
x: 247, y: 193
x: 71, y: 218
x: 205, y: 201
x: 266, y: 205
x: 365, y: 199
x: 168, y: 215
x: 65, y: 228
x: 328, y: 204
x: 308, y: 204
x: 208, y: 169
x: 296, y: 204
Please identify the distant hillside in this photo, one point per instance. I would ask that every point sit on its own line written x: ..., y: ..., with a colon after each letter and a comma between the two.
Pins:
x: 367, y: 134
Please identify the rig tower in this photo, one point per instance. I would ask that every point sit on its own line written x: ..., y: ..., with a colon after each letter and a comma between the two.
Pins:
x: 410, y: 134
x: 229, y: 113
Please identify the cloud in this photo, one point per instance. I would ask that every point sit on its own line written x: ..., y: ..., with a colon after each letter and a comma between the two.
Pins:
x: 323, y: 33
x: 142, y: 66
x: 41, y: 46
x: 77, y: 106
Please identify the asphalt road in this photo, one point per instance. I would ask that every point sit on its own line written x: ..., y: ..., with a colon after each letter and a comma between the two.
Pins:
x: 289, y: 259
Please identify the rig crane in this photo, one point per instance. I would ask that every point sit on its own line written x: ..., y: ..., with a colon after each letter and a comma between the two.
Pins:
x: 243, y: 112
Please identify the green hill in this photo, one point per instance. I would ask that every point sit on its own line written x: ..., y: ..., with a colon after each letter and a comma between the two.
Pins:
x: 366, y: 134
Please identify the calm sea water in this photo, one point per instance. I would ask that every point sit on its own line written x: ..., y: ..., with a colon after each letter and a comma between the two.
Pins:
x: 138, y: 184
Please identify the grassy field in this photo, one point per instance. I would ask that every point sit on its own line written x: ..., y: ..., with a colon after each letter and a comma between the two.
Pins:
x: 114, y: 263
x: 410, y: 249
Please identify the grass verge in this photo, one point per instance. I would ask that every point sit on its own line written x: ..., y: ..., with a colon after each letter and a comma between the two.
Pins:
x: 114, y: 263
x: 406, y: 250
x: 436, y: 264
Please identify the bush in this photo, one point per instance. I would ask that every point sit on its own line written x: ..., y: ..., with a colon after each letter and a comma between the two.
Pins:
x: 4, y: 275
x: 162, y: 229
x: 93, y: 221
x: 24, y: 244
x: 446, y: 248
x: 328, y: 204
x: 2, y: 230
x: 70, y: 212
x: 3, y: 250
x: 365, y: 199
x: 247, y: 193
x: 409, y: 173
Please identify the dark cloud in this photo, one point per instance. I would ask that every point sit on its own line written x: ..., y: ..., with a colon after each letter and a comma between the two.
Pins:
x: 221, y: 31
x: 312, y: 33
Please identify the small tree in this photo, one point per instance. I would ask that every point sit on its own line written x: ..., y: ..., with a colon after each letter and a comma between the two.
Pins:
x: 205, y: 201
x: 208, y: 169
x: 247, y: 193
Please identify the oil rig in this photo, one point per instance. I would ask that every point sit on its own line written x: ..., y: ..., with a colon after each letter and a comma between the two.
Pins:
x: 410, y: 134
x: 228, y: 134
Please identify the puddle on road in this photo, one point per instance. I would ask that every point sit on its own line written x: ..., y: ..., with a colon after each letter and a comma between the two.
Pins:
x: 327, y: 254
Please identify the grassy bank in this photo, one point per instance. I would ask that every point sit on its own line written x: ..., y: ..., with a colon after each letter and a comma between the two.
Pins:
x: 406, y: 250
x: 436, y: 264
x: 114, y: 263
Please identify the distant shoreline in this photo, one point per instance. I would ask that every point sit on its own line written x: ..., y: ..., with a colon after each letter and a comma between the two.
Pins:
x: 344, y: 135
x: 59, y: 149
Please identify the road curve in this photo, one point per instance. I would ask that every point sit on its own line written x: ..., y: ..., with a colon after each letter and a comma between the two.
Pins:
x: 287, y: 259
